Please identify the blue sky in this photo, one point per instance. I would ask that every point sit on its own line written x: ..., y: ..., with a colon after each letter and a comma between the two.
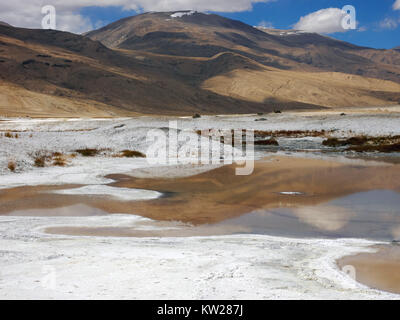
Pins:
x: 370, y: 16
x: 378, y: 20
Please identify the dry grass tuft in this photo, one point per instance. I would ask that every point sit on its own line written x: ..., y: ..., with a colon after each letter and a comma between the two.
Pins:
x: 366, y: 144
x: 12, y: 166
x: 40, y: 158
x: 10, y: 135
x: 132, y: 154
x: 384, y: 148
x: 88, y: 152
x: 269, y: 142
x: 354, y: 141
x: 333, y: 142
x: 40, y: 162
x: 59, y: 159
x: 290, y: 133
x: 59, y: 162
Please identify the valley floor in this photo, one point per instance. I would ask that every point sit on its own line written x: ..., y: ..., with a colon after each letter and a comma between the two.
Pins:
x: 36, y: 264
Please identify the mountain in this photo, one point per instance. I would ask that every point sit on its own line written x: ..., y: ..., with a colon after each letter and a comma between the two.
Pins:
x: 194, y: 34
x: 181, y: 63
x: 286, y: 65
x: 79, y: 73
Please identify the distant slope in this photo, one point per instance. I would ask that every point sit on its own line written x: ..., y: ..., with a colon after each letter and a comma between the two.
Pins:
x: 330, y: 89
x: 16, y: 101
x: 74, y: 67
x: 159, y: 63
x: 205, y: 35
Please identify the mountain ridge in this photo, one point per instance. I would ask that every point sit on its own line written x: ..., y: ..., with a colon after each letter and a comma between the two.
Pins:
x: 181, y: 64
x: 190, y: 35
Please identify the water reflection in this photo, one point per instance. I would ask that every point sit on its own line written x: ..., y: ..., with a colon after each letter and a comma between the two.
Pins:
x: 371, y: 215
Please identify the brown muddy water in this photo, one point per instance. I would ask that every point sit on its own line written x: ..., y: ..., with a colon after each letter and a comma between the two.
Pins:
x: 284, y: 196
x: 379, y: 270
x: 369, y: 215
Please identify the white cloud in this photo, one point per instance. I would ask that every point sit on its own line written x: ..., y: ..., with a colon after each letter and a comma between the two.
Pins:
x: 323, y: 21
x: 74, y: 23
x: 266, y: 24
x: 27, y: 13
x: 389, y: 23
x: 396, y: 5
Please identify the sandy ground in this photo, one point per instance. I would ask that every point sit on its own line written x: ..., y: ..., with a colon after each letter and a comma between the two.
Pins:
x: 34, y: 264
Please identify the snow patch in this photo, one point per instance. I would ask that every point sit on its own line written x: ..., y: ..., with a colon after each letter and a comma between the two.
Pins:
x: 182, y: 14
x: 291, y: 193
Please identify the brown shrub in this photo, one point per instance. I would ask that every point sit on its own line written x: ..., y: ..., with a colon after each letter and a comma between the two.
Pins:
x: 11, y: 166
x: 132, y: 154
x: 289, y: 133
x: 40, y: 161
x: 59, y: 162
x: 269, y: 142
x: 9, y: 134
x: 357, y: 141
x: 363, y: 142
x: 59, y: 159
x: 333, y: 142
x: 384, y: 148
x: 87, y: 152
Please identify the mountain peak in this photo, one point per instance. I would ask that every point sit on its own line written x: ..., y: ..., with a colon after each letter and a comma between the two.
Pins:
x: 174, y: 28
x: 180, y: 14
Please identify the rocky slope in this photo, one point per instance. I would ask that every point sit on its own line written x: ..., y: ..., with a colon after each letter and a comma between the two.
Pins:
x: 185, y: 63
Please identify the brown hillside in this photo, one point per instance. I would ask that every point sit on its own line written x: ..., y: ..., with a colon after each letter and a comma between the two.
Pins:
x: 199, y: 63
